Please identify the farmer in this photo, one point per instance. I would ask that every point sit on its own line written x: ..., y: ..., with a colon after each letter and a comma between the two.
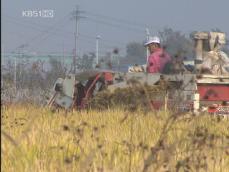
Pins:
x: 158, y: 58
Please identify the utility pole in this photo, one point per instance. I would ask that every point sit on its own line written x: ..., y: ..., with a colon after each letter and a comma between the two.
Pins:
x: 3, y: 61
x: 63, y: 61
x: 118, y: 63
x: 15, y: 71
x: 97, y: 49
x: 147, y: 51
x: 76, y: 15
x: 20, y: 51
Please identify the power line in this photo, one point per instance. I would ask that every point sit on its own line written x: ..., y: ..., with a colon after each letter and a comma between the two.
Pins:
x: 93, y: 37
x: 39, y: 27
x: 76, y: 14
x: 85, y: 37
x: 116, y: 25
x: 35, y: 40
x: 34, y: 23
x: 123, y: 21
x: 104, y: 45
x: 43, y: 32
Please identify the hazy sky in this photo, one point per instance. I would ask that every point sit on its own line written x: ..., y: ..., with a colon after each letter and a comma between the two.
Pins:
x: 117, y: 22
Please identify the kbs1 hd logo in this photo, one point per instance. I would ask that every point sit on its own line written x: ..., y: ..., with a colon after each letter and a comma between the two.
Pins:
x: 38, y: 13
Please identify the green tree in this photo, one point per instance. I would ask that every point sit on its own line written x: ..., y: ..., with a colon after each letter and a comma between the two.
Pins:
x: 85, y: 62
x: 57, y: 70
x: 176, y: 43
x: 135, y: 53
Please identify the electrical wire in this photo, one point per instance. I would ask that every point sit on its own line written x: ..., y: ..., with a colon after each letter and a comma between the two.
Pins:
x: 48, y: 32
x: 123, y: 21
x: 115, y: 25
x: 53, y: 29
x: 31, y: 25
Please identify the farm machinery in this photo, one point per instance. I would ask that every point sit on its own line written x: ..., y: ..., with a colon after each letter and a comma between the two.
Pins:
x: 206, y: 88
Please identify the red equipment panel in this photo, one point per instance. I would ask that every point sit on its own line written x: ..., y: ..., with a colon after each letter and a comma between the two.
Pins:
x: 213, y: 92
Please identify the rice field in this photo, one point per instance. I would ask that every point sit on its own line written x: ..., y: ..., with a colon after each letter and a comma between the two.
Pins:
x: 40, y: 140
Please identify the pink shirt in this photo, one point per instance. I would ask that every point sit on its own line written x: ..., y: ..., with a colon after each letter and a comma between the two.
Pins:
x: 157, y: 61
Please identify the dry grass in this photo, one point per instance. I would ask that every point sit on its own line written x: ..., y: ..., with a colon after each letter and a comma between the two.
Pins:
x: 37, y: 139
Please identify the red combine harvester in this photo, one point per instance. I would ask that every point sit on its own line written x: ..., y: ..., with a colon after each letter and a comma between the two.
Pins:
x: 204, y: 89
x: 214, y: 93
x: 213, y: 89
